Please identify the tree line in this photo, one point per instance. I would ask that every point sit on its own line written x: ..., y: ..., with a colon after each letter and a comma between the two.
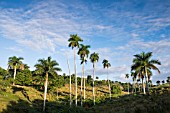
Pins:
x: 142, y: 66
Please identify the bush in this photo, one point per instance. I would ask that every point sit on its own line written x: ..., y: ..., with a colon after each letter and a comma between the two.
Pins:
x: 115, y: 89
x: 24, y: 77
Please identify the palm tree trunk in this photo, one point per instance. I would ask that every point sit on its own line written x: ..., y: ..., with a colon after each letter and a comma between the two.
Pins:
x: 81, y: 87
x: 108, y: 84
x: 93, y: 83
x: 143, y: 86
x: 147, y: 80
x: 15, y: 71
x: 45, y: 90
x: 84, y: 83
x: 135, y: 85
x: 75, y: 74
x: 70, y: 82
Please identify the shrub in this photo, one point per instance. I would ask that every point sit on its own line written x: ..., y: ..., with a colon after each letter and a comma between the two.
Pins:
x: 24, y: 77
x: 115, y: 89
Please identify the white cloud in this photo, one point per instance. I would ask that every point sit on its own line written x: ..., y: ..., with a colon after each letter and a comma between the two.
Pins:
x: 15, y: 49
x: 46, y: 26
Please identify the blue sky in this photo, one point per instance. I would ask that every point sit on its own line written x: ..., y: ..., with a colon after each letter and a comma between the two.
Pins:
x: 116, y: 29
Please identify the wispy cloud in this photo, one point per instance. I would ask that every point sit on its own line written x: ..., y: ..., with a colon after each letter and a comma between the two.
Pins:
x: 127, y: 29
x: 15, y: 49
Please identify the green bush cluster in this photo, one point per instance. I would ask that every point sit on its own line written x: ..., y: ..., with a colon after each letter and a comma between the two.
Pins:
x: 115, y: 89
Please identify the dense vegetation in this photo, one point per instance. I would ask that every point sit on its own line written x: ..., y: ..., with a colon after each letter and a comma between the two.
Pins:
x: 44, y: 90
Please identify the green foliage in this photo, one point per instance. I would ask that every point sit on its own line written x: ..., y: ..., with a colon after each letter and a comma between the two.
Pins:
x: 57, y: 81
x: 24, y: 77
x: 115, y: 89
x: 3, y: 72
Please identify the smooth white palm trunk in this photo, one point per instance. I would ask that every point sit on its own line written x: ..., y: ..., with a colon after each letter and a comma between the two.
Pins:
x: 93, y: 83
x: 70, y: 82
x: 81, y: 87
x: 75, y: 75
x: 84, y: 84
x: 143, y: 87
x: 15, y: 71
x: 45, y: 91
x: 109, y: 84
x: 147, y: 79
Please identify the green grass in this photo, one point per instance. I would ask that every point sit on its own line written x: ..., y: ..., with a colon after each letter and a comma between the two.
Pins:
x: 22, y: 99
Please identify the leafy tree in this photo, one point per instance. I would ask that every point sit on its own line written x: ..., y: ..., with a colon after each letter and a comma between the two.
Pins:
x: 97, y: 78
x: 14, y: 63
x: 168, y: 79
x: 3, y: 72
x: 89, y: 80
x: 46, y: 67
x: 83, y: 52
x: 143, y: 62
x: 158, y: 82
x: 116, y: 89
x: 163, y: 81
x: 94, y: 57
x: 74, y: 43
x: 24, y: 77
x: 57, y: 81
x: 106, y: 64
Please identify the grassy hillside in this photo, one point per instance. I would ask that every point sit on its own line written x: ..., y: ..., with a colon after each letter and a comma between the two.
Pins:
x: 22, y: 99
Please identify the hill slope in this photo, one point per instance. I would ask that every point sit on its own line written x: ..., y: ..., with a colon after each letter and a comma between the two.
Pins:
x: 22, y: 99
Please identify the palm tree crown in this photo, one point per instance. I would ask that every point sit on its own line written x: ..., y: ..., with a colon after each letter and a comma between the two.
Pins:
x: 142, y: 61
x: 94, y: 57
x: 127, y: 76
x: 106, y: 63
x: 83, y: 52
x: 14, y: 61
x: 48, y: 65
x: 74, y: 41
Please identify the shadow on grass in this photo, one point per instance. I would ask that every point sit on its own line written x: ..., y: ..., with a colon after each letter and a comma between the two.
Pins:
x: 134, y: 103
x: 16, y: 89
x: 22, y: 106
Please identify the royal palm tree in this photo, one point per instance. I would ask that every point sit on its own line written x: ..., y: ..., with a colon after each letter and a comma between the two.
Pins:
x: 106, y: 64
x: 74, y: 43
x: 83, y: 52
x: 94, y: 57
x: 127, y: 77
x: 46, y: 67
x: 14, y: 63
x: 143, y: 62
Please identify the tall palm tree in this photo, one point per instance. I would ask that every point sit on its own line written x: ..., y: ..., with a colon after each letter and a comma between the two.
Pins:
x: 106, y: 64
x: 143, y: 62
x: 94, y: 57
x: 83, y: 52
x: 14, y: 63
x: 74, y: 43
x: 46, y: 67
x: 127, y: 76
